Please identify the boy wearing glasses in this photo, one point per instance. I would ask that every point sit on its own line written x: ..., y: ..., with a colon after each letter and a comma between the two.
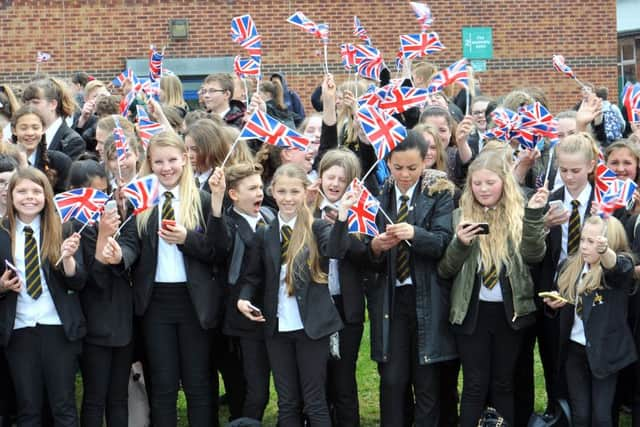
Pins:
x: 216, y: 93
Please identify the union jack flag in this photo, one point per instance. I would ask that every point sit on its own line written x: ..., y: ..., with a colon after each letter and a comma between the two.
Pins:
x: 538, y: 121
x: 127, y: 74
x: 120, y: 142
x: 423, y: 14
x: 243, y: 28
x: 267, y: 129
x: 300, y: 20
x: 604, y: 178
x: 81, y: 204
x: 348, y: 55
x: 362, y: 215
x: 399, y: 99
x: 457, y: 72
x: 383, y: 131
x: 399, y: 60
x: 155, y: 63
x: 506, y: 124
x: 143, y: 193
x: 419, y: 45
x: 359, y: 31
x: 127, y: 101
x: 323, y: 32
x: 43, y: 57
x: 631, y: 98
x: 146, y: 127
x: 561, y: 66
x: 364, y: 51
x: 618, y: 196
x: 635, y: 115
x: 246, y: 67
x: 373, y: 96
x: 151, y: 88
x: 370, y: 68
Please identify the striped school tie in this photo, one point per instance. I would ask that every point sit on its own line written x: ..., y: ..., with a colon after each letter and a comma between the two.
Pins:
x: 285, y: 234
x: 402, y: 258
x: 573, y: 241
x: 167, y: 209
x: 32, y: 264
x: 490, y: 278
x: 260, y: 224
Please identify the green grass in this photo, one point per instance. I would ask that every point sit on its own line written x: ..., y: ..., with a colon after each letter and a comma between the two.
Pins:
x: 367, y: 375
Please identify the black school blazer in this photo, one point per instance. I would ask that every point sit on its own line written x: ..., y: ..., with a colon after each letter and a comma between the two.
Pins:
x: 64, y: 292
x: 319, y: 315
x: 140, y: 254
x: 610, y: 346
x: 68, y: 141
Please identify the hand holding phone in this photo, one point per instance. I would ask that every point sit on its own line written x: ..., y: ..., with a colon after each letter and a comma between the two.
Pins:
x: 553, y: 295
x: 556, y: 205
x: 168, y: 222
x: 481, y: 227
x: 255, y: 311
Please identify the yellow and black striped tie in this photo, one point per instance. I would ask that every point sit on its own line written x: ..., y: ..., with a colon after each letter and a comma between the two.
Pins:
x: 402, y: 258
x: 573, y: 239
x: 167, y: 209
x: 32, y: 264
x: 285, y: 234
x: 260, y: 224
x: 490, y: 278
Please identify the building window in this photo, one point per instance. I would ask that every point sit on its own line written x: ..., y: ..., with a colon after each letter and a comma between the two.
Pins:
x: 627, y: 64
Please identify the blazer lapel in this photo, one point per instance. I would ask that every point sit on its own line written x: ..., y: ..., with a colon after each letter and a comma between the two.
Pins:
x: 272, y: 243
x: 153, y: 228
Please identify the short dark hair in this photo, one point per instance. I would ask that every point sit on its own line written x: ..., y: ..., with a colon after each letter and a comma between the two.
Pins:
x: 7, y: 163
x: 414, y: 140
x: 80, y: 78
x: 83, y: 171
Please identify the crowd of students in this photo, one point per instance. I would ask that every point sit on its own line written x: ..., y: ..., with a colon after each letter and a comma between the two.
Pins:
x: 249, y: 269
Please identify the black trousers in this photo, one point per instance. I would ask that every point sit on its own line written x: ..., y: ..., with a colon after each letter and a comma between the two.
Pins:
x: 342, y: 388
x: 403, y: 371
x: 488, y: 357
x: 42, y: 360
x: 255, y: 363
x: 227, y: 360
x: 299, y: 366
x: 105, y: 380
x: 179, y: 352
x: 7, y: 392
x: 591, y: 398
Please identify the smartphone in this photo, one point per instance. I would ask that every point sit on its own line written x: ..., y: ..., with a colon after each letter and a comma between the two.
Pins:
x: 255, y: 311
x: 167, y: 222
x: 110, y: 206
x: 483, y: 227
x: 553, y: 295
x: 556, y: 204
x: 11, y: 266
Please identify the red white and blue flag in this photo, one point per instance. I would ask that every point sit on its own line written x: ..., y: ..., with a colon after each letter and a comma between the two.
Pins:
x: 146, y: 127
x: 244, y: 67
x: 362, y: 215
x: 399, y: 99
x: 373, y: 96
x: 419, y: 45
x: 560, y: 65
x: 143, y: 193
x: 120, y: 142
x: 245, y: 33
x: 348, y: 55
x: 155, y: 63
x: 506, y: 124
x: 267, y: 129
x: 604, y: 178
x: 364, y: 51
x: 458, y: 72
x: 127, y: 74
x: 383, y: 131
x: 82, y: 204
x: 43, y: 57
x: 359, y: 31
x: 537, y: 121
x: 370, y: 68
x: 320, y: 31
x: 618, y: 196
x: 631, y: 99
x: 423, y: 14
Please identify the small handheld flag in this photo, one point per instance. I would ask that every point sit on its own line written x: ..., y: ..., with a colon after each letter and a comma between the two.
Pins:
x: 146, y: 127
x: 43, y: 57
x: 423, y: 14
x: 418, y: 45
x: 382, y: 131
x: 81, y: 204
x: 245, y: 33
x: 362, y: 215
x: 143, y: 193
x: 561, y: 66
x: 244, y: 67
x: 399, y: 99
x: 262, y: 126
x: 457, y: 72
x: 155, y: 63
x: 359, y: 31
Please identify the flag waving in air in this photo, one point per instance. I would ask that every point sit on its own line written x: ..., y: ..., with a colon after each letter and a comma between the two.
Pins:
x: 81, y: 204
x: 359, y: 31
x: 631, y: 99
x: 267, y: 129
x: 155, y: 63
x: 43, y: 57
x: 244, y: 67
x: 383, y: 131
x: 127, y: 74
x: 348, y: 55
x: 399, y: 99
x: 143, y: 193
x: 146, y: 127
x: 423, y: 14
x: 245, y: 33
x: 120, y: 141
x: 362, y: 215
x: 419, y: 45
x: 561, y: 66
x: 457, y: 72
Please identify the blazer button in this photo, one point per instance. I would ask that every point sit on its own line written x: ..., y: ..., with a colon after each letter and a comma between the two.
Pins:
x: 386, y: 316
x: 299, y: 298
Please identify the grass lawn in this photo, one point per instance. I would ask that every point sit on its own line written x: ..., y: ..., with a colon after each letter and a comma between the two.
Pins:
x: 368, y: 392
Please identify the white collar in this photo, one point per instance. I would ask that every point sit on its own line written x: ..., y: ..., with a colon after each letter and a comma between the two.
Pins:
x: 291, y: 223
x: 52, y: 130
x: 252, y: 220
x: 583, y: 197
x: 175, y: 191
x: 409, y: 192
x: 35, y: 225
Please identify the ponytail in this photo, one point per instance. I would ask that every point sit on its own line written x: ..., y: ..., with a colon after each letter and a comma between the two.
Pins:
x: 51, y: 89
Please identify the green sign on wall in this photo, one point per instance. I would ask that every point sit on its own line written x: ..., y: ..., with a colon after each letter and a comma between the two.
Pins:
x: 477, y: 42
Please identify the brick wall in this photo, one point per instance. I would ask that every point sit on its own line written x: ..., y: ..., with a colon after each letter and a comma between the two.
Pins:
x: 97, y: 36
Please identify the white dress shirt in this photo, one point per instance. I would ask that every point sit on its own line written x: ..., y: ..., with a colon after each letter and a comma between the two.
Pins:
x: 31, y: 312
x: 486, y: 294
x: 170, y: 267
x: 577, y: 329
x: 251, y: 220
x: 288, y: 311
x: 52, y: 130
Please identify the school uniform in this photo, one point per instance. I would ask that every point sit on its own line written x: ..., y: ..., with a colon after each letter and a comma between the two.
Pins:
x: 202, y: 180
x: 59, y: 162
x: 175, y: 293
x: 347, y: 278
x: 489, y: 313
x: 595, y: 342
x: 60, y: 137
x: 233, y: 234
x: 107, y: 302
x: 42, y: 334
x: 546, y: 328
x: 409, y: 329
x: 297, y: 327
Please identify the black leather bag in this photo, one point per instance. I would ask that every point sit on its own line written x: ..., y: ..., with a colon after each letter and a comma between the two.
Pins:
x: 562, y: 417
x: 491, y: 418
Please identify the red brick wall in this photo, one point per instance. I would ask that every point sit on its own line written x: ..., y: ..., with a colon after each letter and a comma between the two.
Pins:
x: 97, y: 36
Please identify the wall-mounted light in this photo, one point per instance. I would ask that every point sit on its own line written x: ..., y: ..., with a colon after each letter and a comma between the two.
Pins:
x: 179, y: 29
